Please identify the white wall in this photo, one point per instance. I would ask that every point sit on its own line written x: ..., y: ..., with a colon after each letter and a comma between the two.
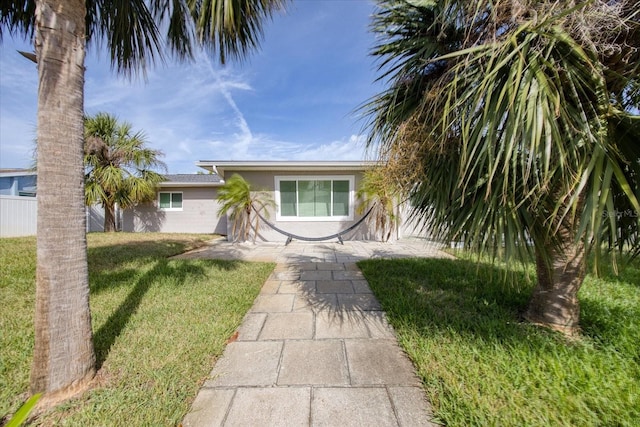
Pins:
x: 18, y: 216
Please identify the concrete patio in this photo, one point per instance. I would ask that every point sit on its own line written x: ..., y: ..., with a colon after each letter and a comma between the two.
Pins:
x: 316, y: 348
x: 331, y: 251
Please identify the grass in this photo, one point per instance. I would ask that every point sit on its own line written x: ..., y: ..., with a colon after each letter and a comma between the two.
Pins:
x: 158, y: 324
x: 459, y: 322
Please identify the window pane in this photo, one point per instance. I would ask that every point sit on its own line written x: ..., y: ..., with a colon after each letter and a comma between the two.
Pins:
x: 306, y: 198
x: 323, y: 198
x: 176, y: 200
x: 288, y: 198
x: 165, y: 200
x: 340, y: 198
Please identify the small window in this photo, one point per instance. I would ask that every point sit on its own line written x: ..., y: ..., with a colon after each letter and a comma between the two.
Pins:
x: 170, y: 201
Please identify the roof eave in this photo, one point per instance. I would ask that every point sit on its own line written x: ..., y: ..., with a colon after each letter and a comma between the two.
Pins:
x: 173, y: 184
x: 317, y: 166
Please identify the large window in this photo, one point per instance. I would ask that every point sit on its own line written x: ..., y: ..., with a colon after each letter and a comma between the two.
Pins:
x: 306, y: 198
x: 170, y: 201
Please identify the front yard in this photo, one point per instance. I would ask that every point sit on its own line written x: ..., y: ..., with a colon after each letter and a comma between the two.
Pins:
x: 481, y: 366
x: 158, y: 324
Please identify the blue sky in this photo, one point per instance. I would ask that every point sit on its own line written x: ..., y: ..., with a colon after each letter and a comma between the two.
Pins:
x: 294, y: 99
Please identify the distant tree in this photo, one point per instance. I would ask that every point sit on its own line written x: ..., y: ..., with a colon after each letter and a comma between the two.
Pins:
x: 513, y: 125
x: 242, y: 204
x: 119, y: 169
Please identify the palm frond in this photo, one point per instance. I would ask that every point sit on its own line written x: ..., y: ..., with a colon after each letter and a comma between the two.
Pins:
x: 18, y: 17
x: 232, y: 28
x: 119, y: 163
x: 238, y: 200
x: 500, y: 128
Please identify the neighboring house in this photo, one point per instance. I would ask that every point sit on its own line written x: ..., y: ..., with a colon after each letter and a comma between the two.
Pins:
x: 312, y: 198
x: 18, y: 205
x: 186, y: 203
x: 18, y: 182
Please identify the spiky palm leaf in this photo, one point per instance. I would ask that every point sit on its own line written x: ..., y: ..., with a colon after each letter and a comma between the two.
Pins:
x: 513, y: 112
x: 237, y: 199
x: 118, y: 166
x: 380, y: 195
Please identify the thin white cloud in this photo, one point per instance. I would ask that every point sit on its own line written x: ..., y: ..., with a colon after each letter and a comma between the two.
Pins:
x: 290, y: 101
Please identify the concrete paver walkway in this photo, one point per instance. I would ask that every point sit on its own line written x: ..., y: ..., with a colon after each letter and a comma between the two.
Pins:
x: 314, y: 350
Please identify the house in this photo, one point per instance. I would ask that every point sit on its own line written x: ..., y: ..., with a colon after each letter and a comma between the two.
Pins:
x: 311, y: 199
x: 18, y: 205
x: 18, y: 182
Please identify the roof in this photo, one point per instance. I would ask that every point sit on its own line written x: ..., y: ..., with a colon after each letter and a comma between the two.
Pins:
x: 219, y: 166
x: 17, y: 172
x: 192, y: 180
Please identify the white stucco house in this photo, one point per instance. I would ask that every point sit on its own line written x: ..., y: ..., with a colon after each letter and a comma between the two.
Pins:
x: 313, y: 199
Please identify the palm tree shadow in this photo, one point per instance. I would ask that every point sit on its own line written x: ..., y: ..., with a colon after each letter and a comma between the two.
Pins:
x: 179, y: 272
x: 438, y: 295
x: 337, y: 290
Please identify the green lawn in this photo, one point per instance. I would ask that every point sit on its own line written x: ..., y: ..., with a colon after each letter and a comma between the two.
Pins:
x: 481, y: 366
x: 158, y: 325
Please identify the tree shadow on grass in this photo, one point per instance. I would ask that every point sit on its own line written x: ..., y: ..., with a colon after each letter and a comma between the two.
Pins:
x: 468, y: 297
x: 176, y: 273
x: 438, y: 295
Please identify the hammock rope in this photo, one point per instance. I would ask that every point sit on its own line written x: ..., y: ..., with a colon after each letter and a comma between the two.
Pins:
x: 291, y: 236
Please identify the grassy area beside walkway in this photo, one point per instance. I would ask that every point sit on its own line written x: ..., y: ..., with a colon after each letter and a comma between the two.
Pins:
x: 158, y: 324
x: 481, y: 366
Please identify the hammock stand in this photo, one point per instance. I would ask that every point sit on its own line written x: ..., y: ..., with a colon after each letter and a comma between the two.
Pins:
x: 291, y: 236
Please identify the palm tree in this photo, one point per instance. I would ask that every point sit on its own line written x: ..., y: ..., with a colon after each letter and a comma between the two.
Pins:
x: 118, y: 166
x: 513, y: 126
x: 379, y: 194
x: 243, y: 206
x: 64, y: 359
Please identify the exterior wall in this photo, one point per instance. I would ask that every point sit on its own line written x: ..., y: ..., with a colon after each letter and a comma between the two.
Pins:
x: 265, y: 181
x: 95, y: 218
x: 199, y: 214
x: 18, y: 216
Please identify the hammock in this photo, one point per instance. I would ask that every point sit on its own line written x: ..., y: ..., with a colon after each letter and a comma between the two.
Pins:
x: 291, y: 236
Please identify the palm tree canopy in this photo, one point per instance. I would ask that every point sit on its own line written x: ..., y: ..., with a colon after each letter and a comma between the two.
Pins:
x: 131, y: 29
x: 508, y: 120
x: 380, y: 194
x: 237, y: 198
x: 119, y: 168
x: 234, y: 196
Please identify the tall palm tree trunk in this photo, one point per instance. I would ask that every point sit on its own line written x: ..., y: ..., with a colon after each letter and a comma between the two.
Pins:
x: 109, y: 217
x: 554, y: 302
x: 64, y: 358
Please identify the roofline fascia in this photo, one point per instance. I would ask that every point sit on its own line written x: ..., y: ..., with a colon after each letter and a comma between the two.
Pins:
x: 190, y: 184
x: 21, y: 173
x: 268, y: 165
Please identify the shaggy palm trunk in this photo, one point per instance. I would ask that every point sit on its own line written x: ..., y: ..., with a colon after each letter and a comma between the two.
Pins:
x: 554, y: 302
x: 109, y: 218
x: 64, y: 359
